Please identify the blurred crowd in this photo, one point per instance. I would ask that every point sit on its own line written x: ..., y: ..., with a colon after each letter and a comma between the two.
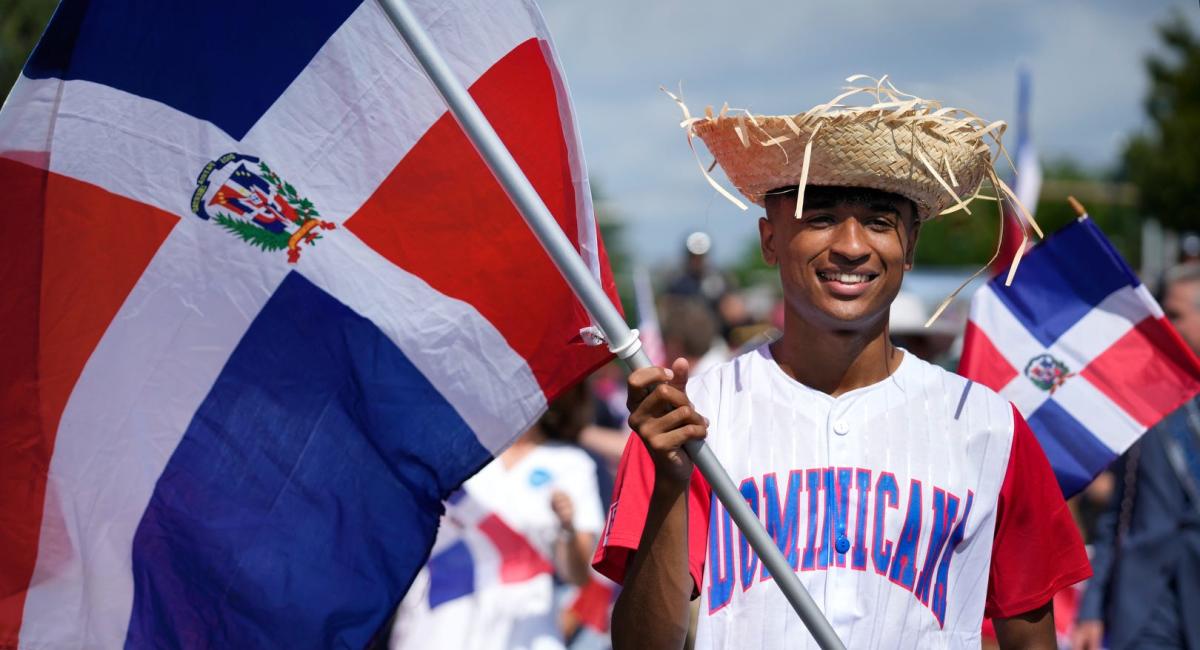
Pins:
x: 534, y: 516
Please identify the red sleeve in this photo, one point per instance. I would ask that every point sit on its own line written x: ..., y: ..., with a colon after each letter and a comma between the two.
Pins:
x: 1037, y: 551
x: 627, y: 516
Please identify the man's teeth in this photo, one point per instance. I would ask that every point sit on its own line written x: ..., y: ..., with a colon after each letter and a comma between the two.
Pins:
x: 847, y: 278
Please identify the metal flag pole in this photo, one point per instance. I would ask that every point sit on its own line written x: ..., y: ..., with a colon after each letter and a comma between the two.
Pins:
x: 623, y: 341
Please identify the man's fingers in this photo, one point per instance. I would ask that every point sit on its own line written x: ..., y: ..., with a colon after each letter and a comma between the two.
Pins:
x: 680, y: 369
x: 681, y: 416
x: 675, y: 438
x: 661, y: 399
x: 642, y: 381
x: 647, y: 378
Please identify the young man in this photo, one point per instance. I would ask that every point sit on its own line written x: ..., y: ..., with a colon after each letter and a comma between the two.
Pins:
x: 909, y: 500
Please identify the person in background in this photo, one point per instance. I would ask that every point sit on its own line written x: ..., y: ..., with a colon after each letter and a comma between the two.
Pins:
x: 690, y: 330
x: 1146, y: 547
x: 699, y: 279
x: 529, y: 516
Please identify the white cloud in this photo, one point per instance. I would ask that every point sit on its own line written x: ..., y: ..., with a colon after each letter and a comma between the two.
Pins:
x: 782, y: 56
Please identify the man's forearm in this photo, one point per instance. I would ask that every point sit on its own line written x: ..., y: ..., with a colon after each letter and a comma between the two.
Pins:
x: 652, y: 611
x: 1033, y: 630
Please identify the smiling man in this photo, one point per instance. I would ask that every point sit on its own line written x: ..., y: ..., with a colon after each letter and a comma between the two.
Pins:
x: 910, y: 501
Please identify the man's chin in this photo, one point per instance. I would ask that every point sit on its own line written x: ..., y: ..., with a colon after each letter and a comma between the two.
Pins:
x: 840, y: 319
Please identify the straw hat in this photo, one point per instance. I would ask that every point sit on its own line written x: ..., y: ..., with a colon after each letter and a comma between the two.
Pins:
x: 937, y: 156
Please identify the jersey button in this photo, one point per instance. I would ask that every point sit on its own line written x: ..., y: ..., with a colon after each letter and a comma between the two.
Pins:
x: 841, y: 427
x: 843, y: 544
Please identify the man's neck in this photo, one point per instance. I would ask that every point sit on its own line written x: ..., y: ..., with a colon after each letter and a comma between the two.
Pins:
x: 835, y: 362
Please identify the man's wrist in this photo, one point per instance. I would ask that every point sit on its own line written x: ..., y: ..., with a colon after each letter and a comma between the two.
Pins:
x: 668, y: 487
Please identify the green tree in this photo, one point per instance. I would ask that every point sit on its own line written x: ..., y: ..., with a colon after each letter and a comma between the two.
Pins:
x: 1164, y: 162
x: 21, y: 24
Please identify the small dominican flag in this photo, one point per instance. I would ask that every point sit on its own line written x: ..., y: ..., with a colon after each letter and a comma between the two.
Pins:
x: 1081, y: 348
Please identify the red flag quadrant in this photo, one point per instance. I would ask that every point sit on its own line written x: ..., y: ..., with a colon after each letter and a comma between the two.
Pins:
x: 70, y: 255
x: 452, y: 208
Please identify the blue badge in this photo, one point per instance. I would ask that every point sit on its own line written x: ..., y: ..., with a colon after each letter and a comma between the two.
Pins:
x: 539, y: 477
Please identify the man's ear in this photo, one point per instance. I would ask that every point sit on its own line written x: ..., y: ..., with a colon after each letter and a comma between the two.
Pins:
x: 910, y: 255
x: 766, y: 240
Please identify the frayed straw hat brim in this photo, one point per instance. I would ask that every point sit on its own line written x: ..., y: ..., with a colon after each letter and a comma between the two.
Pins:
x: 850, y: 150
x: 939, y: 157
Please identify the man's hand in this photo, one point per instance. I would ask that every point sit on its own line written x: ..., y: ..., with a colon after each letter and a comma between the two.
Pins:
x: 660, y: 412
x: 652, y: 610
x: 1087, y: 635
x: 564, y: 509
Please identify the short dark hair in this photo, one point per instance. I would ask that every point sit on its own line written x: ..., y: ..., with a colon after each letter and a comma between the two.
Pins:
x: 829, y: 195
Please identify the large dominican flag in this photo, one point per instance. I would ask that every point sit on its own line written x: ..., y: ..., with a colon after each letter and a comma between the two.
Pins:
x: 264, y: 307
x: 1082, y: 349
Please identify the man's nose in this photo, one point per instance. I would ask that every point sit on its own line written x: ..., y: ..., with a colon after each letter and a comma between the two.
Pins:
x: 849, y: 243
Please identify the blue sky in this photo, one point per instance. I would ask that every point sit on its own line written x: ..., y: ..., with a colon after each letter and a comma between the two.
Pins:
x: 772, y: 56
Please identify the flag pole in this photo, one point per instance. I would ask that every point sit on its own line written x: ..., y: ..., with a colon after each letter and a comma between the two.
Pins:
x: 622, y: 341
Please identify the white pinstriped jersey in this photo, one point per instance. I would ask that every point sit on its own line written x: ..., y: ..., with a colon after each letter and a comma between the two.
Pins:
x: 896, y: 503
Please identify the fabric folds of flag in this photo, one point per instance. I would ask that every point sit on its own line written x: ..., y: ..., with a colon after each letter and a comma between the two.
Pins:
x: 265, y: 307
x: 1082, y: 349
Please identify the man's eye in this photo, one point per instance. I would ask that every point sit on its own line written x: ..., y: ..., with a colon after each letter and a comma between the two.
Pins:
x: 881, y: 223
x: 819, y: 219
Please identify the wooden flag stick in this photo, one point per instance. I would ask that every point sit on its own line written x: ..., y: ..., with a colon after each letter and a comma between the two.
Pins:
x: 1080, y: 211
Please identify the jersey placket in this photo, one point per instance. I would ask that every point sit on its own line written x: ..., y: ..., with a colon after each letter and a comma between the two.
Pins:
x: 840, y: 437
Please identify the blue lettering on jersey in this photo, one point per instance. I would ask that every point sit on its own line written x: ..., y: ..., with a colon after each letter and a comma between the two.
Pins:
x: 825, y: 552
x: 887, y: 495
x: 720, y: 557
x: 841, y: 514
x: 904, y: 571
x: 896, y: 560
x: 748, y: 558
x: 945, y: 511
x: 783, y: 525
x: 939, y: 589
x: 858, y: 557
x: 814, y: 492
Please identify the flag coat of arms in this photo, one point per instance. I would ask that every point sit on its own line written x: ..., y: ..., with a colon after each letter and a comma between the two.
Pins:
x: 1082, y: 349
x: 264, y: 308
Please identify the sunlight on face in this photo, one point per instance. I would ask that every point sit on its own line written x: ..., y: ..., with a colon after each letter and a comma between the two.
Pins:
x: 841, y: 264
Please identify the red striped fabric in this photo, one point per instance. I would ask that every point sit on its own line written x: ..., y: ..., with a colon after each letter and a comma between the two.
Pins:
x: 88, y: 247
x: 1144, y: 373
x: 462, y: 235
x: 982, y: 362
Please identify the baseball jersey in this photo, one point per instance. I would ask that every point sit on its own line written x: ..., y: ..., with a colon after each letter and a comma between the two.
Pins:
x: 908, y: 508
x: 489, y: 583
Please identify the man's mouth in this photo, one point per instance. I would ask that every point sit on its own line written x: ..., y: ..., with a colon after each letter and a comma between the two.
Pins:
x: 846, y: 278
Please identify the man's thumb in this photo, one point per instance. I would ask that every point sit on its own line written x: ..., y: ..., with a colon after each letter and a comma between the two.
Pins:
x: 679, y: 370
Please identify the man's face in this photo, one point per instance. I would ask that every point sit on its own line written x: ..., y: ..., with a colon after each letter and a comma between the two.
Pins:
x: 841, y: 263
x: 1182, y: 307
